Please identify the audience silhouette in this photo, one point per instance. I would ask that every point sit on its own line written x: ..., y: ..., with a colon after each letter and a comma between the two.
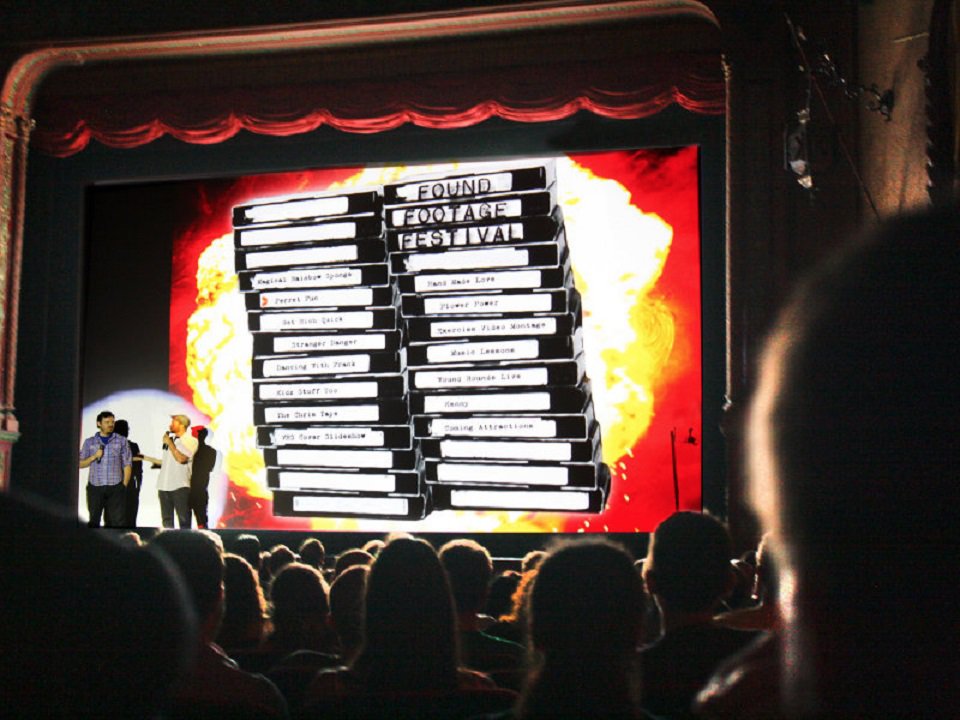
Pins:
x: 469, y: 568
x: 215, y: 687
x: 403, y: 669
x: 346, y: 609
x: 513, y: 625
x: 92, y: 629
x: 500, y: 595
x: 312, y: 553
x: 247, y: 546
x: 349, y: 558
x: 244, y: 616
x: 585, y: 613
x: 299, y: 611
x: 853, y: 450
x: 688, y: 572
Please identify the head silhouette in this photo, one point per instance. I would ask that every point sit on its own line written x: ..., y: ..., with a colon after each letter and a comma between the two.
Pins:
x: 410, y: 638
x: 688, y: 563
x: 585, y: 620
x: 853, y: 456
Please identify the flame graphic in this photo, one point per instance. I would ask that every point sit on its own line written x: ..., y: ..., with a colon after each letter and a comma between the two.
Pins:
x: 628, y: 337
x: 627, y: 334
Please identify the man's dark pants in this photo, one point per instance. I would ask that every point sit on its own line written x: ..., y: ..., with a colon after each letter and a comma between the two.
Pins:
x: 178, y: 500
x: 109, y: 498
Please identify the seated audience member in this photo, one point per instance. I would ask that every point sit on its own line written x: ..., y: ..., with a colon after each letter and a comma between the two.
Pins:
x: 499, y: 598
x: 346, y: 609
x: 279, y: 556
x: 408, y: 665
x: 585, y: 614
x: 302, y: 641
x: 741, y: 593
x: 513, y: 625
x: 651, y: 630
x: 688, y: 573
x: 92, y: 629
x: 130, y: 539
x: 532, y: 560
x: 373, y: 546
x: 852, y: 466
x: 216, y: 687
x: 244, y: 615
x: 469, y: 567
x: 299, y: 614
x: 765, y: 614
x: 313, y: 553
x: 247, y: 546
x: 349, y: 558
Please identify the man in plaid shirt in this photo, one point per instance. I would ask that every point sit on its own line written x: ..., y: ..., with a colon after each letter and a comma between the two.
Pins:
x: 108, y: 456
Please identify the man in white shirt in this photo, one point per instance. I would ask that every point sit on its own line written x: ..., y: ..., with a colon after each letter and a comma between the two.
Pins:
x: 173, y: 483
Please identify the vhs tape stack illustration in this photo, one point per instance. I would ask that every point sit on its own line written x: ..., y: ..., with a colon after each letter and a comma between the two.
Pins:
x: 419, y: 347
x: 501, y: 406
x: 328, y: 363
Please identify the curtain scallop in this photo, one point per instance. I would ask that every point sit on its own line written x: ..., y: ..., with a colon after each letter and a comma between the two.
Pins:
x: 66, y: 125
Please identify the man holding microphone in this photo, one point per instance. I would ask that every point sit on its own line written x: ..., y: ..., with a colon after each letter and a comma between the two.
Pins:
x: 108, y: 456
x: 173, y: 483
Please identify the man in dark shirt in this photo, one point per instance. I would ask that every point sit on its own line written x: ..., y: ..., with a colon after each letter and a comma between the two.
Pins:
x: 132, y: 497
x: 688, y: 572
x: 469, y: 567
x: 204, y: 461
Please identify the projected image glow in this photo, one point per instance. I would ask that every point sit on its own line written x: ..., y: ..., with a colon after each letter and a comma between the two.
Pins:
x: 632, y: 228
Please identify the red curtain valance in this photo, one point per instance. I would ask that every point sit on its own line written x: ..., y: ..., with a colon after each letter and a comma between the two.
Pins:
x: 694, y: 81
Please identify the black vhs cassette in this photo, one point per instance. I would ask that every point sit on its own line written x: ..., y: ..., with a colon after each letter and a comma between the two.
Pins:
x: 487, y: 352
x: 502, y: 473
x: 394, y: 437
x: 570, y: 500
x: 380, y: 386
x: 485, y: 181
x: 316, y: 277
x: 537, y: 229
x: 324, y: 205
x: 354, y: 228
x: 383, y: 459
x: 287, y: 343
x: 390, y: 411
x: 574, y: 426
x: 534, y: 278
x: 382, y: 318
x: 464, y: 327
x: 320, y: 298
x: 545, y: 400
x: 487, y: 258
x: 346, y: 480
x: 538, y: 450
x: 361, y: 251
x: 471, y: 211
x: 499, y: 303
x: 290, y: 366
x: 294, y: 504
x: 512, y: 375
